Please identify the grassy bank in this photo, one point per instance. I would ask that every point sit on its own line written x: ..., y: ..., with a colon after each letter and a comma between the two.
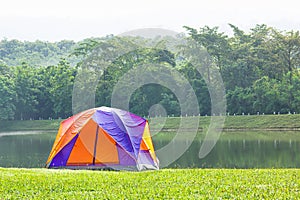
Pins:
x: 253, y: 122
x: 163, y: 184
x: 27, y: 125
x: 245, y: 122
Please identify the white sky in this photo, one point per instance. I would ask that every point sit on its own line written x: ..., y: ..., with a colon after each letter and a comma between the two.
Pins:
x: 54, y: 20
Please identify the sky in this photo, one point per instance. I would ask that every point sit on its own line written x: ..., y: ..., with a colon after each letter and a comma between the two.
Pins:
x: 55, y: 20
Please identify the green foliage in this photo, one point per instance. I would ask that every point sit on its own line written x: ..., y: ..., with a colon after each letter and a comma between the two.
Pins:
x: 38, y: 53
x: 131, y: 56
x: 260, y: 71
x: 26, y: 92
x: 198, y: 84
x: 240, y: 100
x: 7, y: 93
x: 61, y: 89
x: 163, y: 184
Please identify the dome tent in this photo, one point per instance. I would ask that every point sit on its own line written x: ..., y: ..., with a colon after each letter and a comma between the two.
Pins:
x: 103, y: 138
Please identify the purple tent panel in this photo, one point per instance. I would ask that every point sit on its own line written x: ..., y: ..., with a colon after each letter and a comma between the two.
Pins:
x: 62, y: 157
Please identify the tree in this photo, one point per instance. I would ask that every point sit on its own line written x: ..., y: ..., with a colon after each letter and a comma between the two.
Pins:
x: 288, y: 48
x: 61, y: 90
x: 44, y: 86
x: 26, y: 91
x: 215, y: 43
x: 294, y: 89
x: 240, y: 100
x: 198, y: 84
x: 269, y: 96
x: 7, y: 93
x: 38, y: 53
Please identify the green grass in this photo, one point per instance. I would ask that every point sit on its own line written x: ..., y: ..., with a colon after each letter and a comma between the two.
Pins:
x: 162, y: 184
x: 263, y: 122
x: 261, y: 135
x: 25, y: 125
x: 245, y: 122
x: 238, y: 136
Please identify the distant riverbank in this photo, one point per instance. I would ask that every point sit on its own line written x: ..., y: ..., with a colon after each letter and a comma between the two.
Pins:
x: 232, y: 123
x: 29, y: 125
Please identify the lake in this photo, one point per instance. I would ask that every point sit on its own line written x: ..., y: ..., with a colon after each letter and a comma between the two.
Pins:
x: 269, y: 149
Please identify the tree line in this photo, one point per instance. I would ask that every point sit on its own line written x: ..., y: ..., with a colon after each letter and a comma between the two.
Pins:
x: 259, y: 68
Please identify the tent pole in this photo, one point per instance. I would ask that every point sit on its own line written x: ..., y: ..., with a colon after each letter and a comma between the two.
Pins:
x: 95, y: 147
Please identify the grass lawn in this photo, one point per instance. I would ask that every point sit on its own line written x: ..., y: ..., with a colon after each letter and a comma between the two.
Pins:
x: 162, y: 184
x: 25, y: 125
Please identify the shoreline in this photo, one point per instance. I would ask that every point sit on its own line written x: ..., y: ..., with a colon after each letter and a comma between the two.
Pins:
x: 287, y: 122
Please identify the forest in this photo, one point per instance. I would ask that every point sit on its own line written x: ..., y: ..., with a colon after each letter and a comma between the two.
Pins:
x: 259, y: 69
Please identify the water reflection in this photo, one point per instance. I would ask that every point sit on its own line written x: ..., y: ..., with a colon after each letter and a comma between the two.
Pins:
x: 240, y: 154
x: 269, y: 149
x: 233, y: 150
x: 25, y: 150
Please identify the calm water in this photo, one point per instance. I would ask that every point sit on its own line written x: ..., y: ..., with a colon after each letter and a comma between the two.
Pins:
x: 28, y: 150
x: 233, y: 150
